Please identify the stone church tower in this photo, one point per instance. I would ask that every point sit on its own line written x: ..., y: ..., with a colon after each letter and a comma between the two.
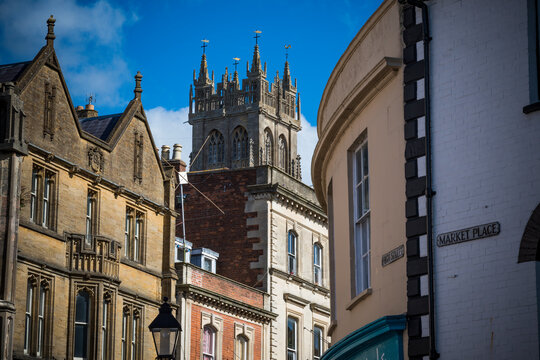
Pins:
x: 265, y: 223
x: 245, y: 124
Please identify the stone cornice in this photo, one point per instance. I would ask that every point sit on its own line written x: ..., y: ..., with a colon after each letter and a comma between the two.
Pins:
x: 225, y: 303
x: 290, y: 199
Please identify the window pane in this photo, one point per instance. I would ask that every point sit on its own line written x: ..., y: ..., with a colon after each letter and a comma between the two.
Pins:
x: 291, y: 333
x: 365, y: 160
x: 81, y: 308
x: 358, y: 206
x: 81, y: 338
x: 317, y: 341
x: 358, y: 167
x: 207, y: 264
x: 366, y: 196
x: 317, y: 255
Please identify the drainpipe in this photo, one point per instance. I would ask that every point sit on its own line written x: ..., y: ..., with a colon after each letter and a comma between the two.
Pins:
x: 433, y: 354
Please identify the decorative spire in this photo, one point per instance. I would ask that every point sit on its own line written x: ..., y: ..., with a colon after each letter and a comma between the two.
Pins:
x: 286, y: 76
x: 235, y: 63
x: 138, y: 88
x: 256, y: 63
x: 203, y: 71
x: 50, y: 33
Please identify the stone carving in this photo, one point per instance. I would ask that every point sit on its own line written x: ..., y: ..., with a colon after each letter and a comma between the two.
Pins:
x: 96, y: 159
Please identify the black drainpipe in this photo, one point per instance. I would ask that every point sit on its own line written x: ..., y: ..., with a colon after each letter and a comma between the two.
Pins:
x: 433, y: 354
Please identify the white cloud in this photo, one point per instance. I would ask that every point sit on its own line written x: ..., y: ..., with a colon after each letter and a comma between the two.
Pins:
x: 169, y: 127
x: 88, y: 41
x: 307, y: 139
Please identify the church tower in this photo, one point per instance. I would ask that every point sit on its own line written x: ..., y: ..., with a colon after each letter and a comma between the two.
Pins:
x: 245, y: 124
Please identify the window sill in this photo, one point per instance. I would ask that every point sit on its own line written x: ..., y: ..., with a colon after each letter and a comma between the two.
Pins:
x: 363, y: 295
x: 535, y: 106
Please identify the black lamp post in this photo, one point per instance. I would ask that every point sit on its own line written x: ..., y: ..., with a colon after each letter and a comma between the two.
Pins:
x: 165, y: 331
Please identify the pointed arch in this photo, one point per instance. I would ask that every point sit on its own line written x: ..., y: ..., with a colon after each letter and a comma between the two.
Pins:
x: 240, y: 144
x: 216, y: 149
x: 529, y: 249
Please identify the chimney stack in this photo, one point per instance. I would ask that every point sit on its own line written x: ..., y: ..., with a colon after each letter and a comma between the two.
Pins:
x: 87, y: 112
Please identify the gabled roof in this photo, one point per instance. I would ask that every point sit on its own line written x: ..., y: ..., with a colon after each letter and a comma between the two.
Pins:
x: 101, y: 126
x: 10, y: 72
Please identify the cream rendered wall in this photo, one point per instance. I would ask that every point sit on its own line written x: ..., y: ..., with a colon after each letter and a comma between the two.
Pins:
x: 363, y: 96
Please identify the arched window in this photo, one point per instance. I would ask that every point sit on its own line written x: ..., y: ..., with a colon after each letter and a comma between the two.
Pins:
x: 317, y: 264
x: 242, y: 347
x: 209, y: 343
x: 82, y: 314
x: 216, y: 148
x: 267, y: 156
x: 283, y: 159
x: 240, y: 148
x: 291, y: 253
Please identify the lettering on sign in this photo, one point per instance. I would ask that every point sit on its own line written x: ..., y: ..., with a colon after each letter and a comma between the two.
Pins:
x: 472, y: 233
x: 393, y: 255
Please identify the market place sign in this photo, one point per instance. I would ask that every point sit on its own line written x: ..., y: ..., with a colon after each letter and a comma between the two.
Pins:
x: 472, y: 233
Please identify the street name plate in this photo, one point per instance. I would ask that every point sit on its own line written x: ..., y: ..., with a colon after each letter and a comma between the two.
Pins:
x: 393, y: 255
x: 472, y: 233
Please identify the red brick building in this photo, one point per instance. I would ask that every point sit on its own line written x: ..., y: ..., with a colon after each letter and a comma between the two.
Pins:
x: 221, y: 318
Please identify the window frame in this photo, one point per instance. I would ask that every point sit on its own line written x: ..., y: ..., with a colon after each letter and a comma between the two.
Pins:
x: 360, y: 216
x: 212, y: 331
x: 292, y: 350
x: 87, y: 325
x: 36, y: 341
x: 43, y: 194
x: 135, y: 235
x: 292, y: 260
x: 321, y: 341
x: 317, y: 267
x: 132, y: 334
x: 91, y: 220
x: 216, y: 149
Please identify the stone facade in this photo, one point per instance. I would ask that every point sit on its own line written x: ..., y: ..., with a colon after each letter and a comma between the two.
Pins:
x: 93, y: 230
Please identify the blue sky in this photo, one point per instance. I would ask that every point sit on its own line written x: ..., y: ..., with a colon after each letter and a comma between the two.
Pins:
x: 102, y: 44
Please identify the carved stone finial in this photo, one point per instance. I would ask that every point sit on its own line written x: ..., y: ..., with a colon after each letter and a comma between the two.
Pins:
x: 50, y: 33
x: 138, y: 88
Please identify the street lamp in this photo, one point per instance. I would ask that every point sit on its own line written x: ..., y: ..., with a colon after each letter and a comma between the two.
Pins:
x: 165, y: 331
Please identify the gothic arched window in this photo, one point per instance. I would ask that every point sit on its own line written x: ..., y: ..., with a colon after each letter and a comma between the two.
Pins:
x: 216, y: 148
x: 240, y: 144
x: 283, y: 159
x: 267, y: 156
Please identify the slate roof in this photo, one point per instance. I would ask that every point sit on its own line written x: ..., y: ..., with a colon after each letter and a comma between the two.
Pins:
x: 100, y: 126
x: 10, y: 72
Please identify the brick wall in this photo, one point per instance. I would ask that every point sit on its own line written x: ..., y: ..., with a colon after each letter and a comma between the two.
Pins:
x: 227, y: 336
x: 225, y: 233
x: 226, y: 287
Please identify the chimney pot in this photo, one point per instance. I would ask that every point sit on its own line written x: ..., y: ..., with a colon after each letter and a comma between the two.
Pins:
x: 177, y: 152
x: 80, y: 107
x: 165, y: 150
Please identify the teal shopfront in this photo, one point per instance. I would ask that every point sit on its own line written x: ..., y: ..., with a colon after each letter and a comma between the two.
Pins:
x: 380, y: 340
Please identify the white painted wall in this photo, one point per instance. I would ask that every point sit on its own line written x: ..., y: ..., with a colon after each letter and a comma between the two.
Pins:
x: 486, y: 167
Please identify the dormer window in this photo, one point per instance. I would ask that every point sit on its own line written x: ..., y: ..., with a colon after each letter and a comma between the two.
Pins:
x: 205, y: 258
